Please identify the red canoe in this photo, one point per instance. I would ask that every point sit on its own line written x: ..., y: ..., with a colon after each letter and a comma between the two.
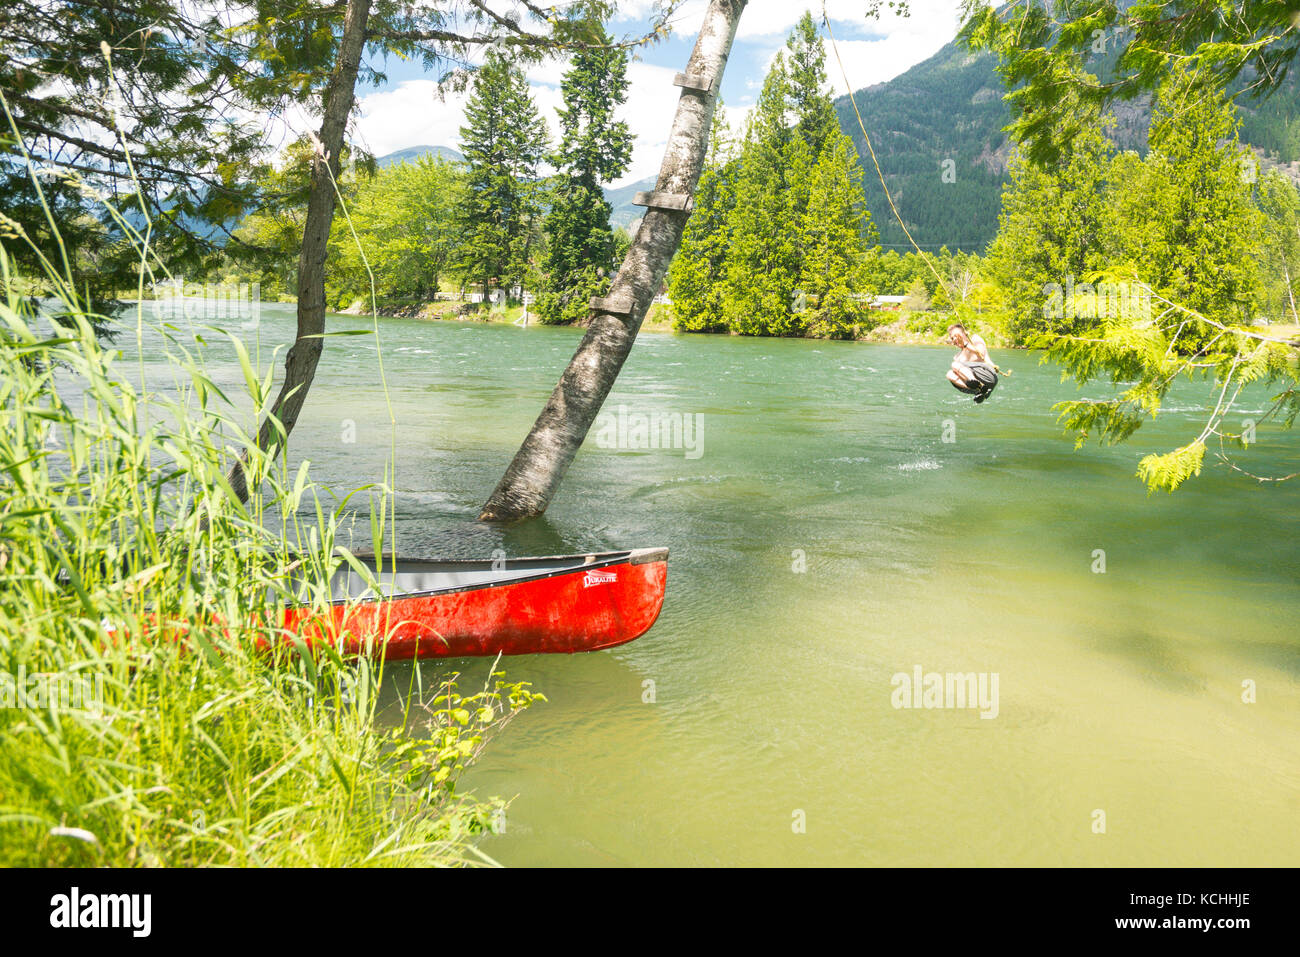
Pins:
x: 522, y: 606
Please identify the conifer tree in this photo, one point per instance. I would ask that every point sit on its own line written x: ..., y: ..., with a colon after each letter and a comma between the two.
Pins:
x: 777, y: 244
x: 762, y: 270
x: 810, y: 102
x: 504, y: 141
x: 1053, y: 232
x: 693, y: 280
x: 834, y: 227
x: 1196, y: 230
x: 594, y: 149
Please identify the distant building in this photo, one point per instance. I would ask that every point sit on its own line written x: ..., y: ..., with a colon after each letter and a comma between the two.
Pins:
x: 893, y: 303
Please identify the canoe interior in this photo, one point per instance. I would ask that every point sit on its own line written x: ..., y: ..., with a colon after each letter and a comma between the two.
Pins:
x: 407, y: 577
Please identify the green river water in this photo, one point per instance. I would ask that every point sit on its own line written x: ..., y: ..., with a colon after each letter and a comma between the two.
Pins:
x: 772, y: 737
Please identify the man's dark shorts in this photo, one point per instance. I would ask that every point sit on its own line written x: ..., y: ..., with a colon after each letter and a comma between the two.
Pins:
x: 984, y: 374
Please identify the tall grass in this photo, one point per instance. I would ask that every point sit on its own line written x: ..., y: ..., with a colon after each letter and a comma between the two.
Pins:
x: 125, y: 560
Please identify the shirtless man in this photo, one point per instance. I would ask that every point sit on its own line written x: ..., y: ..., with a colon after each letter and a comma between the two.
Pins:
x: 972, y: 371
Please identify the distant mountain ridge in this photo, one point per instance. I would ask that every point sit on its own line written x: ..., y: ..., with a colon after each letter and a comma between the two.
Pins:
x: 620, y: 198
x: 624, y: 214
x: 950, y: 107
x: 413, y: 153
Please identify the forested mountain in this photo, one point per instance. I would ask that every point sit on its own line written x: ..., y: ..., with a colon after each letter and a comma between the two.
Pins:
x: 620, y: 198
x: 950, y: 107
x: 413, y: 153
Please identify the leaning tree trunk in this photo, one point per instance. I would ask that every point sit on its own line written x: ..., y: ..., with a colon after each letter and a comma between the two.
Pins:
x: 300, y: 362
x: 539, y: 465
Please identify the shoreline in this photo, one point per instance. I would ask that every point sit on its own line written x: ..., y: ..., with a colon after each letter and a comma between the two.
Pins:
x: 659, y: 321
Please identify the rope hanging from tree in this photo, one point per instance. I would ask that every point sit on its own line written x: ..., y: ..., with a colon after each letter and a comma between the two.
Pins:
x: 883, y: 185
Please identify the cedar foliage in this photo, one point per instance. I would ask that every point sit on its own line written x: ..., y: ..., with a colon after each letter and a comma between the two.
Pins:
x: 1147, y: 271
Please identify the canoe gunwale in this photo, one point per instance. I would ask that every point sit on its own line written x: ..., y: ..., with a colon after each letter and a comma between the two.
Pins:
x: 582, y: 562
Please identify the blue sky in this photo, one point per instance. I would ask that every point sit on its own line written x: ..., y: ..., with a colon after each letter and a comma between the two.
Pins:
x: 406, y: 111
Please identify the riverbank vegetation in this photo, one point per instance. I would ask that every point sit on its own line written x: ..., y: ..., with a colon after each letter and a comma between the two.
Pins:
x: 1152, y: 269
x: 154, y: 713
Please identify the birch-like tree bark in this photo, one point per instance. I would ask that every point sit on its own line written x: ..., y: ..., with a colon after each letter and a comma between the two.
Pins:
x: 303, y: 356
x: 538, y: 468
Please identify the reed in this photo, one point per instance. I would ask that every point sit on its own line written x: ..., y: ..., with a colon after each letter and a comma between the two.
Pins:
x: 151, y: 711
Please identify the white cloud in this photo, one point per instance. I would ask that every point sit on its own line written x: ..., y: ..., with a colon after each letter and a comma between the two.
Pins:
x: 413, y: 114
x: 633, y: 16
x: 868, y: 62
x: 772, y: 18
x: 549, y: 72
x: 649, y: 111
x: 873, y: 51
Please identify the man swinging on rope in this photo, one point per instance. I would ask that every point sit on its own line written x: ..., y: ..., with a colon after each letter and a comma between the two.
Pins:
x: 972, y: 370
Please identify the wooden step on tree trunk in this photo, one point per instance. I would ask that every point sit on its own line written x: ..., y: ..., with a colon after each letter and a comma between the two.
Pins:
x: 533, y: 477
